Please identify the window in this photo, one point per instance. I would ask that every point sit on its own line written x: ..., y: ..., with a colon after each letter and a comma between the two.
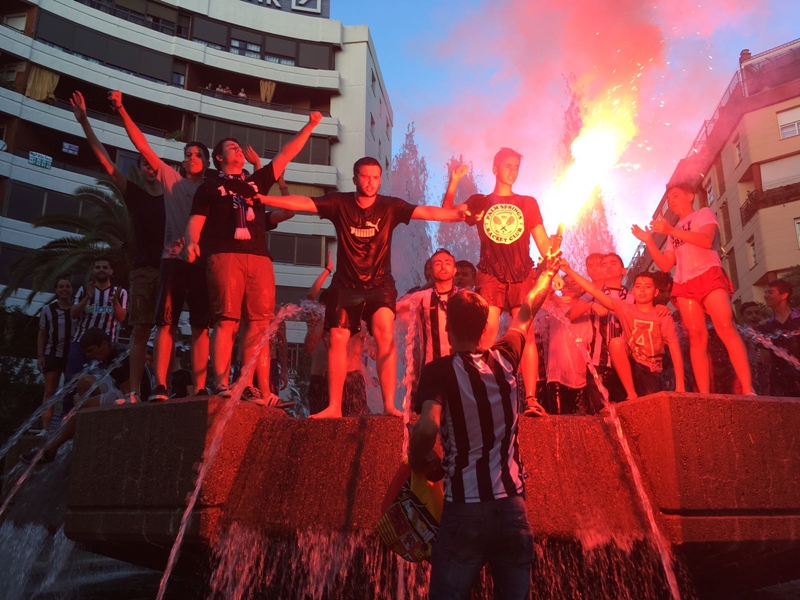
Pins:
x: 725, y: 220
x: 732, y: 271
x: 751, y: 252
x: 797, y: 231
x: 15, y: 21
x: 789, y: 122
x: 178, y: 73
x: 243, y: 48
x: 23, y: 202
x: 162, y: 25
x: 372, y: 125
x: 8, y: 74
x: 8, y: 256
x: 374, y: 81
x: 380, y: 148
x: 208, y: 44
x: 709, y: 187
x: 737, y: 150
x: 388, y: 130
x: 307, y: 250
x: 129, y: 15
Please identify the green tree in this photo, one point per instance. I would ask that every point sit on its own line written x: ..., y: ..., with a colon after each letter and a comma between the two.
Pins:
x: 412, y: 244
x: 20, y: 385
x: 104, y: 228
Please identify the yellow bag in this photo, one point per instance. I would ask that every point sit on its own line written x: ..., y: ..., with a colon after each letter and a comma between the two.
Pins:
x: 410, y: 521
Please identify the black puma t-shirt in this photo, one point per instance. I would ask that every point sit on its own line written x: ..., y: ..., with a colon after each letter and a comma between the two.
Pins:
x: 364, y: 254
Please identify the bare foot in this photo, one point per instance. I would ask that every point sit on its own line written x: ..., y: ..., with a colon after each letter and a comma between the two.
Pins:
x: 391, y: 411
x: 328, y: 413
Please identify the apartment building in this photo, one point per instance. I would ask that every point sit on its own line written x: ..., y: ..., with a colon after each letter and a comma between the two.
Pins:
x: 169, y: 58
x: 745, y: 163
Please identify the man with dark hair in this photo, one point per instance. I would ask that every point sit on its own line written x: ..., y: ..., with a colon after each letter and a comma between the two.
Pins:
x: 465, y: 275
x: 146, y: 210
x: 463, y: 397
x: 784, y: 379
x: 98, y: 304
x: 179, y: 282
x: 239, y: 266
x: 113, y: 388
x: 506, y: 222
x: 363, y: 286
x: 751, y: 314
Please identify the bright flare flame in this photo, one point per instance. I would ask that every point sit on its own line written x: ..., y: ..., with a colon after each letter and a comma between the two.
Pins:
x: 606, y: 133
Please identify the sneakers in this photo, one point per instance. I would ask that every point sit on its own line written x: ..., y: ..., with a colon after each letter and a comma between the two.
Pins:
x: 533, y: 408
x: 203, y: 391
x: 48, y: 457
x: 222, y: 391
x: 159, y: 394
x: 252, y: 394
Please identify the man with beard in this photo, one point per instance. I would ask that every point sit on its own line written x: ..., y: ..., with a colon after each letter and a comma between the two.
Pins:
x: 363, y: 286
x: 100, y: 305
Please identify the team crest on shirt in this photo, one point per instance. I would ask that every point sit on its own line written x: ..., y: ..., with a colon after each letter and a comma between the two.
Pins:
x: 504, y: 223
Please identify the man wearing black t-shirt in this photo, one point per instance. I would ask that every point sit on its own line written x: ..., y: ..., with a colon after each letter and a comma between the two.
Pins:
x: 146, y: 209
x: 363, y: 286
x: 239, y: 268
x: 506, y: 222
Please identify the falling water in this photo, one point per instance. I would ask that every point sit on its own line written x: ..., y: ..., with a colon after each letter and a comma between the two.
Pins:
x: 220, y: 422
x: 659, y: 538
x: 766, y: 341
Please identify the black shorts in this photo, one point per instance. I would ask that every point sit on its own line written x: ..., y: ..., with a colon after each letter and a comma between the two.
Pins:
x: 54, y: 363
x: 506, y: 296
x: 181, y: 282
x: 644, y: 380
x: 346, y: 308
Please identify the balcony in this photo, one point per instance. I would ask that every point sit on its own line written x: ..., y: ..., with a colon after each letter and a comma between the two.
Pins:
x: 297, y: 110
x: 756, y: 200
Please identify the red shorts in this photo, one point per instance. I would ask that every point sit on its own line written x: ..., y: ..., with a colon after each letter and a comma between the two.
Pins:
x: 241, y: 283
x: 701, y: 286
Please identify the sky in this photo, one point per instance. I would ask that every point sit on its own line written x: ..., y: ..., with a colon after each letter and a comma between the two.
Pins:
x: 474, y: 76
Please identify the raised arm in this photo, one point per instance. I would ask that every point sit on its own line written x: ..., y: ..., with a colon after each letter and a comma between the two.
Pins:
x: 79, y: 110
x: 296, y: 203
x: 436, y: 213
x: 664, y: 260
x: 134, y: 133
x: 536, y: 297
x: 316, y: 287
x: 456, y: 175
x: 588, y: 286
x: 293, y: 146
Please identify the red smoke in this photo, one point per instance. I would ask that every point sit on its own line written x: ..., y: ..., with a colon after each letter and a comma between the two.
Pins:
x: 508, y: 62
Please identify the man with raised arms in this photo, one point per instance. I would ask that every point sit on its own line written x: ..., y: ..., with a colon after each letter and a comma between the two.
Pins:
x: 506, y: 221
x: 363, y: 286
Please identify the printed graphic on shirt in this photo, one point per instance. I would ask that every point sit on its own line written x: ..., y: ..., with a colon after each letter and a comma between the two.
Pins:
x: 504, y: 223
x: 367, y: 230
x: 642, y: 340
x: 685, y: 227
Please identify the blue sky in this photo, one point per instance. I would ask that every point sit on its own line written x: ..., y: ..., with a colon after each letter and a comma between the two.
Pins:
x: 434, y: 56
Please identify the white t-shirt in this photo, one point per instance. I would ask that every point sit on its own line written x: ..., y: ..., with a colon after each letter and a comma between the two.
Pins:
x: 178, y: 196
x: 690, y: 260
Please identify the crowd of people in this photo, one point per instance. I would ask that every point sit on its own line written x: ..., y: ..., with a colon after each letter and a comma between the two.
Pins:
x: 200, y: 243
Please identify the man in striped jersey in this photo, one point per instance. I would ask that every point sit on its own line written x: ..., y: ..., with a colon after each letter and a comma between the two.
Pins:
x: 97, y: 305
x: 470, y: 399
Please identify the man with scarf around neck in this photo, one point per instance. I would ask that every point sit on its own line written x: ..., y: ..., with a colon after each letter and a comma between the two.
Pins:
x: 239, y: 266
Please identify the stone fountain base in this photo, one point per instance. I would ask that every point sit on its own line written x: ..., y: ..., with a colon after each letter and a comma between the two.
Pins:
x: 722, y: 472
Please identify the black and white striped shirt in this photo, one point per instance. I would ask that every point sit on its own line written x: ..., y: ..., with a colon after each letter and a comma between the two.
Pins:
x: 99, y: 312
x: 58, y: 324
x: 433, y: 315
x: 606, y: 328
x: 480, y: 420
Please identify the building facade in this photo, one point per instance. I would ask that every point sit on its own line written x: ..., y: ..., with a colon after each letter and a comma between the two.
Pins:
x: 745, y: 163
x: 168, y: 58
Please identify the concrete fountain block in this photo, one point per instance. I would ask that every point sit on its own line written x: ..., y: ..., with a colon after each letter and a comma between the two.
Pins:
x: 722, y: 473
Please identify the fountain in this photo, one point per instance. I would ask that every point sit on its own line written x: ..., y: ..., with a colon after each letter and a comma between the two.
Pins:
x: 287, y: 508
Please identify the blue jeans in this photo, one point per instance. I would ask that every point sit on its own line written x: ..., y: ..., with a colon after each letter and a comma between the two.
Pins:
x: 470, y: 535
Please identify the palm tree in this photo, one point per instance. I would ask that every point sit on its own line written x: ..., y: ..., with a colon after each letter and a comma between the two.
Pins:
x: 104, y: 228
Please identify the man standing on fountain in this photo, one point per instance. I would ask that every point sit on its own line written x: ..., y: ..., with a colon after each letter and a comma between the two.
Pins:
x: 239, y: 267
x: 506, y: 222
x: 470, y: 399
x: 363, y: 286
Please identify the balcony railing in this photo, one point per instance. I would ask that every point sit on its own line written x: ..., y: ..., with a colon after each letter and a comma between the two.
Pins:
x: 756, y: 200
x: 113, y: 120
x: 298, y: 110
